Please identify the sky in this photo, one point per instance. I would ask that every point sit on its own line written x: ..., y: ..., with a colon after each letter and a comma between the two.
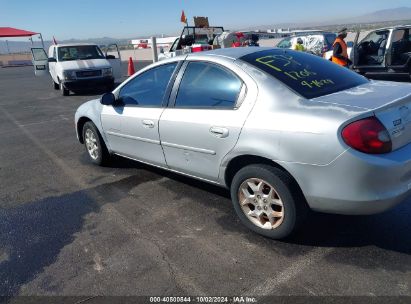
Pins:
x: 82, y: 19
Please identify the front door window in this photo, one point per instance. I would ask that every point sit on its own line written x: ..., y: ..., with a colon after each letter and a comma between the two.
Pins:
x: 147, y: 89
x: 371, y: 50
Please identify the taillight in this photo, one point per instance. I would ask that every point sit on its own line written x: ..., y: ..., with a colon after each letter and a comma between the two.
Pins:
x: 367, y: 135
x: 200, y: 48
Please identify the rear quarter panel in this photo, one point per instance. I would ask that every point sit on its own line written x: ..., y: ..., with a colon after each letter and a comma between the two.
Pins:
x: 289, y: 129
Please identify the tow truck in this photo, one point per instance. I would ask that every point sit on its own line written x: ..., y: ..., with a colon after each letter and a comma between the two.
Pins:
x: 193, y: 39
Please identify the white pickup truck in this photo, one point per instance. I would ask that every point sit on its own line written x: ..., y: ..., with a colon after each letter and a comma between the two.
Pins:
x: 77, y: 67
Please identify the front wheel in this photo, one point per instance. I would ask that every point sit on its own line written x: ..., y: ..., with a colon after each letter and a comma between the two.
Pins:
x: 55, y: 85
x: 64, y: 91
x: 94, y: 144
x: 268, y: 201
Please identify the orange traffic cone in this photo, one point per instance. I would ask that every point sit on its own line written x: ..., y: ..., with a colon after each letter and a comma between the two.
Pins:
x: 131, y: 70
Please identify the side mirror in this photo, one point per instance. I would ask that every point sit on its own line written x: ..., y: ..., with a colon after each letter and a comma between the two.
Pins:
x: 51, y: 59
x: 110, y: 57
x: 108, y: 99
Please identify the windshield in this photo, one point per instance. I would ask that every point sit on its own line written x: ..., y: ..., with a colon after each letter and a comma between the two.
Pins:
x: 79, y: 52
x: 202, y: 35
x: 308, y: 75
x: 285, y: 43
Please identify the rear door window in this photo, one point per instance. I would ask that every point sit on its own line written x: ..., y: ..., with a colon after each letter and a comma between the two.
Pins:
x: 307, y: 75
x: 208, y: 85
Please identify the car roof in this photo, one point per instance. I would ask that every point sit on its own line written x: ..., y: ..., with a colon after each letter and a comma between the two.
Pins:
x: 312, y: 33
x: 73, y: 44
x: 393, y: 27
x: 309, y: 34
x: 231, y: 53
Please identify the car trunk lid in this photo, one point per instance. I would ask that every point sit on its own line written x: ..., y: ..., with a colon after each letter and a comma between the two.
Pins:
x: 396, y: 117
x: 390, y: 102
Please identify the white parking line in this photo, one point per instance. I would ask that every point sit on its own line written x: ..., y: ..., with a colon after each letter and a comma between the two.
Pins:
x: 45, y: 121
x: 302, y: 263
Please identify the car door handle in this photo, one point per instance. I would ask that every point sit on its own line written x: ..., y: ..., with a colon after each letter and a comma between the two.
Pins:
x: 148, y: 123
x: 219, y: 132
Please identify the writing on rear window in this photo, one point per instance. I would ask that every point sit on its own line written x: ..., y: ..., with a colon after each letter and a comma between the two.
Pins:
x: 280, y: 63
x: 308, y: 75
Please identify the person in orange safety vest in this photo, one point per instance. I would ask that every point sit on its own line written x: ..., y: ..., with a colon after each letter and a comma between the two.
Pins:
x: 340, y: 53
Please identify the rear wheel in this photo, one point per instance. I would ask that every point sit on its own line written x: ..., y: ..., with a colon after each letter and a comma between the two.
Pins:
x: 64, y: 91
x: 268, y: 201
x: 94, y: 144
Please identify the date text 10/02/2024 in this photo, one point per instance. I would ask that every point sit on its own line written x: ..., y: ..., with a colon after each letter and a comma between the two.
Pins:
x: 203, y: 299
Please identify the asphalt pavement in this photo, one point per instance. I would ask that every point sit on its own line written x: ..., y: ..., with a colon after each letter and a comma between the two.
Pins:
x: 70, y: 228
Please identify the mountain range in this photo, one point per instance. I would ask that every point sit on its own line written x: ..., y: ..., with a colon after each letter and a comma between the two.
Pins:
x: 393, y: 14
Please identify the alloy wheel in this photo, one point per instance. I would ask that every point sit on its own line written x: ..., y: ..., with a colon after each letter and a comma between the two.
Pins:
x: 91, y: 144
x: 261, y: 203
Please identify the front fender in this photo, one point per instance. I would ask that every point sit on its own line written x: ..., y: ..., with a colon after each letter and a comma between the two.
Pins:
x: 90, y: 110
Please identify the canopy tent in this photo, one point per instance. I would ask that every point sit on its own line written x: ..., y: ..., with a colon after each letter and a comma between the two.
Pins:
x: 13, y: 32
x: 10, y: 58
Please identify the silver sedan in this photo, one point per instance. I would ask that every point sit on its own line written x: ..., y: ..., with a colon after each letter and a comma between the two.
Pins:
x: 285, y: 131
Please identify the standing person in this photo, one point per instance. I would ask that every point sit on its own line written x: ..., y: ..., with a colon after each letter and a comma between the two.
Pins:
x: 340, y: 53
x: 299, y: 46
x: 238, y: 42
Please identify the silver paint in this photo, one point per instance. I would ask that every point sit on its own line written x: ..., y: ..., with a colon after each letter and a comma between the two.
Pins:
x: 270, y: 121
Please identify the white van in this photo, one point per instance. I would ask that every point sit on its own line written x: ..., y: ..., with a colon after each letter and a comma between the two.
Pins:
x: 75, y: 67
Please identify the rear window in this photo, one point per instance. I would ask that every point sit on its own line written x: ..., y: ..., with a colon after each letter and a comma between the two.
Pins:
x: 308, y: 75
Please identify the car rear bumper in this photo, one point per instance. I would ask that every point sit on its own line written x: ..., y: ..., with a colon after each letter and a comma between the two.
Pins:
x: 356, y: 183
x: 347, y: 207
x: 88, y: 84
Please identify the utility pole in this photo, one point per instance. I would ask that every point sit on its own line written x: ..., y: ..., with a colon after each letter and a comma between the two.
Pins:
x: 154, y: 47
x: 7, y: 45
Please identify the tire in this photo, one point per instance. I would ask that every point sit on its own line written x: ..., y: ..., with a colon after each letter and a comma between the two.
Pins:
x: 55, y: 85
x: 287, y: 205
x: 93, y: 140
x: 64, y: 91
